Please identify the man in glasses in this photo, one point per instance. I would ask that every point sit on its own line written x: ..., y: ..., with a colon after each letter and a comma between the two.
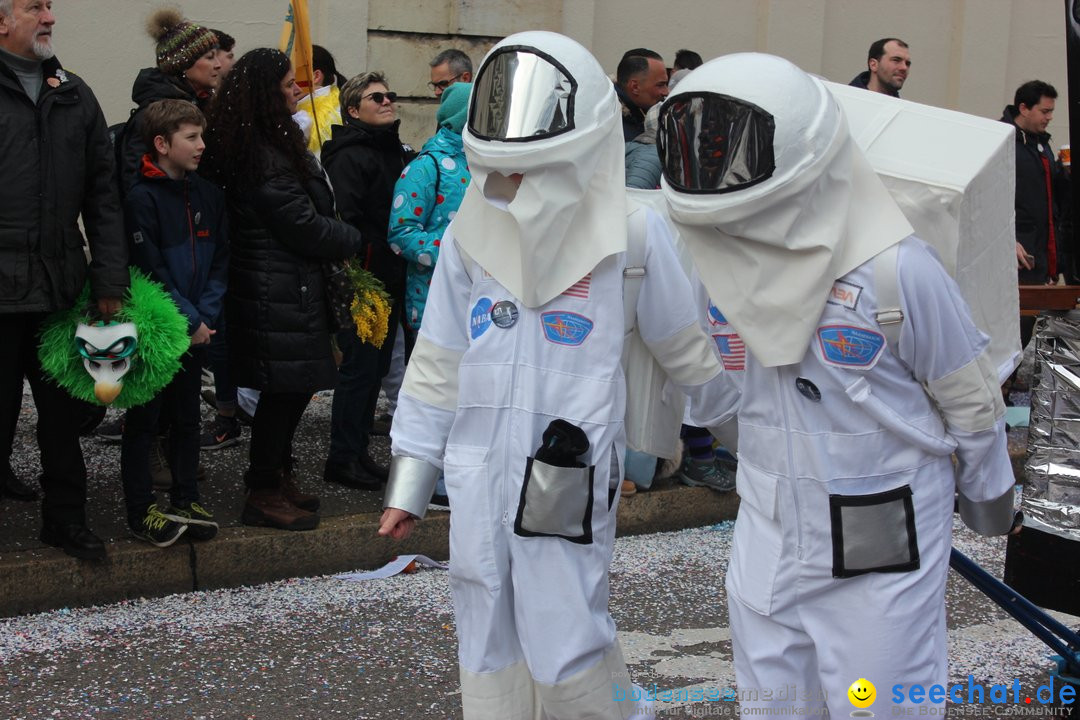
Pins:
x: 515, y: 388
x: 448, y: 67
x: 864, y: 374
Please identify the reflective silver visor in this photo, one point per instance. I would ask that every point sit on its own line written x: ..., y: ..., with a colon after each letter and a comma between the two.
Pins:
x: 712, y: 143
x: 521, y: 95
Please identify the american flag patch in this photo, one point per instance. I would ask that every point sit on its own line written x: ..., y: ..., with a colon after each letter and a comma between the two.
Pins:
x: 580, y: 289
x: 732, y: 351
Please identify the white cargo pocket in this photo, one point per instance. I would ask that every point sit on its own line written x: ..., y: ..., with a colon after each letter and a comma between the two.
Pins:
x: 873, y: 533
x: 758, y: 542
x: 472, y: 546
x: 556, y: 502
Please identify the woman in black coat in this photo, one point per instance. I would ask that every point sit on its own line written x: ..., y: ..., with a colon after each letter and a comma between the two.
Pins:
x: 364, y: 158
x: 283, y: 231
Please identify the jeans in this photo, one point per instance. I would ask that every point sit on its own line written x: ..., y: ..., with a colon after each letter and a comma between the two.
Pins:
x: 178, y: 405
x: 63, y: 472
x: 363, y: 367
x: 218, y: 357
x: 272, y: 431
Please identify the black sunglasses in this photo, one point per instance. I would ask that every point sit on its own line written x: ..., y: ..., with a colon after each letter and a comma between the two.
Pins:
x: 378, y: 97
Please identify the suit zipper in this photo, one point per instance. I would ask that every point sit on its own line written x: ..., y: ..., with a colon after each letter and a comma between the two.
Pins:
x: 792, y: 475
x: 507, y: 477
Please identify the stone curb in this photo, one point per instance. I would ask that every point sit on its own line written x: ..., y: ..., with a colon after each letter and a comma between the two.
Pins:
x: 47, y: 579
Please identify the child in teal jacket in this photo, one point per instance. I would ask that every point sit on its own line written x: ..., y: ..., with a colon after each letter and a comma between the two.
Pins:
x: 426, y: 197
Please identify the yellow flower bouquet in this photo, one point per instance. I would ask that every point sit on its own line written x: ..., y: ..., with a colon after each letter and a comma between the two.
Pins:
x: 370, y: 307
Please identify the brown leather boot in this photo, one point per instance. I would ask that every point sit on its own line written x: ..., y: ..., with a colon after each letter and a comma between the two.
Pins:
x: 292, y: 492
x: 268, y: 507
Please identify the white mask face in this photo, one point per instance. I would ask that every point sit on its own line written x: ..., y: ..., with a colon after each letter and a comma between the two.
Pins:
x: 108, y: 353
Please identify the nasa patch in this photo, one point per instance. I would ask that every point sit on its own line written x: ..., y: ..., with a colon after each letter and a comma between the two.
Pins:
x: 715, y: 316
x: 850, y: 347
x: 565, y: 328
x: 845, y: 294
x: 481, y: 317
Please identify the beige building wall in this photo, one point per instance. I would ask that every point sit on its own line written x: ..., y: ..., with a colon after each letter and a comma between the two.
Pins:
x: 967, y: 55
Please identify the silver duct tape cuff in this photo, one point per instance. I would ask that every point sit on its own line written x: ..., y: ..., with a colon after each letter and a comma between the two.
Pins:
x: 989, y: 517
x: 411, y: 483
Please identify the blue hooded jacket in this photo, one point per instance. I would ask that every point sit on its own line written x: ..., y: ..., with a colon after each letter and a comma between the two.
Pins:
x: 419, y: 213
x: 177, y: 234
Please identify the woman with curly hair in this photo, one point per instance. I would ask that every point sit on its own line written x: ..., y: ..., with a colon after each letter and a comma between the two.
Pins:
x: 283, y: 232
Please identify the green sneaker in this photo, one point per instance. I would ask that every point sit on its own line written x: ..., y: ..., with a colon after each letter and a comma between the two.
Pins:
x: 708, y: 474
x: 198, y: 520
x: 158, y: 529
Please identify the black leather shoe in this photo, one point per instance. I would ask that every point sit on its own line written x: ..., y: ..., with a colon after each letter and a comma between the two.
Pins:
x: 350, y: 474
x: 373, y: 468
x: 14, y: 488
x: 75, y: 540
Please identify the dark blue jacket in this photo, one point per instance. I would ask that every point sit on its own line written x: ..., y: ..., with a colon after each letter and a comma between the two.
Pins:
x: 177, y: 234
x: 862, y: 80
x: 1035, y: 212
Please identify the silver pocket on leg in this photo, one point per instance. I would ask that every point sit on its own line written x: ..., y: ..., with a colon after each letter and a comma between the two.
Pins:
x: 556, y: 502
x: 873, y: 533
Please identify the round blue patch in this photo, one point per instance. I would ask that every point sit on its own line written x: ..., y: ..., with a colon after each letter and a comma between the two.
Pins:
x: 480, y: 319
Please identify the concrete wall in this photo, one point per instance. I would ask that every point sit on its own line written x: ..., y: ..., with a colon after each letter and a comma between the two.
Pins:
x: 967, y: 55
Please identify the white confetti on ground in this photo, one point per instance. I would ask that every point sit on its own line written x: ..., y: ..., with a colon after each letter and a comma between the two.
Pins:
x: 322, y: 642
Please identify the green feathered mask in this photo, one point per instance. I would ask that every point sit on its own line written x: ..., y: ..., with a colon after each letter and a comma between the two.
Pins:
x: 162, y: 339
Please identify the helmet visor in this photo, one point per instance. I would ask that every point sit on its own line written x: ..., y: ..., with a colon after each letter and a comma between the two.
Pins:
x: 521, y: 94
x: 712, y: 143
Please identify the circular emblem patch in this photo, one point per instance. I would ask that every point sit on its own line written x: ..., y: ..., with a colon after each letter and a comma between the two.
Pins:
x: 504, y: 314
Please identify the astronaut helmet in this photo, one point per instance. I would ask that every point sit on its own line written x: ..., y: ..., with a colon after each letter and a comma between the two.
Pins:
x: 543, y: 139
x: 536, y: 92
x: 746, y: 124
x: 771, y: 196
x: 108, y: 350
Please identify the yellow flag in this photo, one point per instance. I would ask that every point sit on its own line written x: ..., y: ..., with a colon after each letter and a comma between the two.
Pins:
x: 296, y: 42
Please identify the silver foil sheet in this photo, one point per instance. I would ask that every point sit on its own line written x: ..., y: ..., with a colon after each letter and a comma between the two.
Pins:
x: 1052, y: 470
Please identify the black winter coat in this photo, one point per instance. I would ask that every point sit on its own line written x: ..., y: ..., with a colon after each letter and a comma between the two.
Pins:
x: 57, y: 164
x: 633, y: 117
x: 1033, y: 213
x: 363, y: 163
x: 862, y: 80
x: 150, y: 86
x: 281, y: 233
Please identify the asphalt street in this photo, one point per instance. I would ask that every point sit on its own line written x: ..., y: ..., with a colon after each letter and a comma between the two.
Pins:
x: 329, y: 648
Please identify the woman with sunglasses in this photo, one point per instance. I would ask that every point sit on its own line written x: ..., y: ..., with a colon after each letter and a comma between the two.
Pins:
x: 364, y: 158
x: 283, y: 230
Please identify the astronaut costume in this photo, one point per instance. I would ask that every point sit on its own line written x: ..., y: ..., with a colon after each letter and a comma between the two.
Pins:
x: 524, y: 325
x: 846, y: 426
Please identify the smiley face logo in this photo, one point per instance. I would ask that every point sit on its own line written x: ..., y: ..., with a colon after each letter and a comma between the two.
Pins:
x: 862, y: 693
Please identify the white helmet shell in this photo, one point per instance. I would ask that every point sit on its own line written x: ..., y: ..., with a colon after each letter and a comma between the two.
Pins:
x: 769, y: 252
x: 569, y: 211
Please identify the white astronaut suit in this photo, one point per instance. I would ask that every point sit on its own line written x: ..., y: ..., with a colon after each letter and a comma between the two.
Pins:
x: 846, y: 428
x: 524, y: 325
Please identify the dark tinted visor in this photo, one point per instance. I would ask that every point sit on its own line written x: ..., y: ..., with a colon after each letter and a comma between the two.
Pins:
x: 711, y: 143
x: 521, y: 94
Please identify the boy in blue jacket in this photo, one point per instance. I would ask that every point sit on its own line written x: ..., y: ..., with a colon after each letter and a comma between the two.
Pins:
x: 176, y: 227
